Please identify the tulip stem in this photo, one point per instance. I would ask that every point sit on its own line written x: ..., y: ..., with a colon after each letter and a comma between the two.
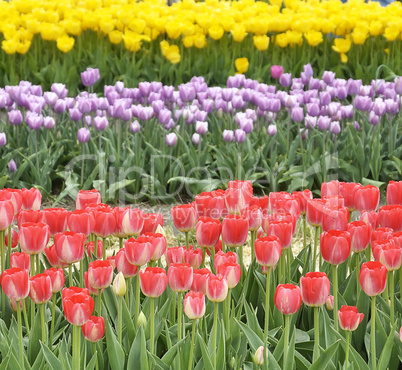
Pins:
x: 10, y: 242
x: 392, y: 294
x: 137, y: 299
x: 241, y: 259
x: 119, y: 319
x: 2, y: 251
x: 42, y: 321
x: 104, y: 249
x: 76, y: 346
x: 152, y: 345
x: 316, y: 335
x: 253, y: 237
x: 128, y: 285
x: 317, y: 232
x: 95, y: 351
x: 226, y: 306
x: 179, y: 317
x: 82, y: 273
x: 286, y: 342
x: 70, y: 274
x: 304, y: 231
x: 373, y: 353
x: 400, y: 284
x: 95, y: 247
x: 335, y: 279
x: 24, y: 310
x: 187, y: 240
x: 223, y: 245
x: 37, y: 271
x: 267, y: 313
x: 190, y: 361
x: 100, y: 302
x: 283, y: 267
x: 20, y: 335
x: 121, y: 244
x: 368, y: 252
x: 289, y: 251
x: 53, y: 319
x: 214, y: 333
x: 347, y: 348
x: 204, y: 256
x: 357, y: 273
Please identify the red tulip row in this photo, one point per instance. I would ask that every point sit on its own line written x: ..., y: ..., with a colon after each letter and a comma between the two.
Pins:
x: 227, y: 215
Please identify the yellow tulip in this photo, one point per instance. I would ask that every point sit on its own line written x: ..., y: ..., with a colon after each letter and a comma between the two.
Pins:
x: 188, y: 28
x: 23, y: 47
x: 188, y: 41
x: 115, y: 37
x: 216, y: 32
x: 239, y: 33
x: 164, y: 46
x: 391, y: 32
x: 376, y: 28
x: 359, y: 36
x: 282, y: 40
x: 106, y: 25
x: 261, y: 42
x: 313, y: 38
x: 33, y: 25
x: 173, y: 54
x: 50, y: 32
x: 9, y: 46
x: 241, y: 65
x: 65, y: 43
x: 72, y: 27
x: 342, y: 45
x: 200, y: 41
x: 89, y: 21
x: 152, y: 33
x: 173, y: 30
x: 344, y: 58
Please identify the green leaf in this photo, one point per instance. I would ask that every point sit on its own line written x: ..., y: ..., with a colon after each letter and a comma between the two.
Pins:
x: 136, y: 355
x: 206, y: 356
x: 325, y: 357
x: 51, y: 359
x: 383, y: 363
x: 253, y: 339
x: 114, y: 350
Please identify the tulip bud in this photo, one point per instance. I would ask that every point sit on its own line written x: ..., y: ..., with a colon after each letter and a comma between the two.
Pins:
x: 160, y: 230
x: 330, y: 303
x: 142, y: 320
x: 400, y: 334
x: 119, y: 285
x: 259, y: 356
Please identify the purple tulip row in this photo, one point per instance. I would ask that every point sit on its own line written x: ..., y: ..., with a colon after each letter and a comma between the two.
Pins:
x: 315, y: 103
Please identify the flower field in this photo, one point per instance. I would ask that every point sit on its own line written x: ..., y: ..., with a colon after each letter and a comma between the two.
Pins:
x: 200, y: 185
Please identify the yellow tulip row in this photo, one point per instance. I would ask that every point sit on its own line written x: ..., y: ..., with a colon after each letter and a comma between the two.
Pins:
x: 285, y: 23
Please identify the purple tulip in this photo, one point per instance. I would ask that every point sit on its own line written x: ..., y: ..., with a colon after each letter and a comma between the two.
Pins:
x: 60, y: 106
x: 12, y: 166
x: 240, y: 136
x: 236, y: 81
x: 87, y: 121
x: 341, y: 92
x: 366, y: 91
x: 357, y: 126
x: 145, y: 113
x: 310, y: 122
x: 145, y: 88
x: 274, y: 105
x: 373, y: 119
x: 328, y: 77
x: 247, y: 125
x: 60, y: 90
x: 171, y: 139
x: 297, y: 114
x: 83, y: 135
x: 201, y: 127
x: 379, y: 107
x: 135, y: 127
x: 353, y: 86
x: 272, y: 130
x: 227, y: 94
x: 84, y: 105
x: 196, y: 139
x: 208, y: 105
x: 201, y: 115
x: 285, y: 79
x: 312, y: 109
x: 398, y: 85
x: 3, y: 139
x: 325, y: 98
x: 167, y: 92
x: 90, y: 76
x: 48, y: 123
x: 323, y: 123
x: 335, y: 127
x: 187, y: 92
x: 36, y: 90
x: 228, y: 135
x: 119, y: 86
x: 392, y: 107
x: 165, y: 115
x: 50, y: 98
x: 363, y: 103
x: 103, y: 104
x: 100, y: 123
x: 33, y: 120
x: 75, y: 114
x: 15, y: 117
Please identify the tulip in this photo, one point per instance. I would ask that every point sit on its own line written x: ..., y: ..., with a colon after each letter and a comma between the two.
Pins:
x: 349, y: 320
x: 335, y: 246
x: 88, y: 286
x: 14, y: 239
x: 56, y: 218
x: 94, y: 329
x: 159, y: 244
x: 100, y: 274
x: 20, y: 260
x: 29, y: 216
x: 347, y: 191
x: 151, y: 222
x: 360, y: 235
x: 367, y: 198
x: 259, y: 356
x: 208, y: 231
x: 34, y: 237
x: 91, y: 250
x: 31, y: 199
x: 124, y: 266
x: 132, y: 222
x: 211, y: 204
x: 174, y: 255
x: 193, y: 256
x: 200, y: 277
x: 276, y: 71
x: 394, y: 192
x: 335, y: 218
x: 105, y: 225
x: 330, y: 303
x: 268, y: 250
x: 52, y: 258
x: 180, y: 277
x: 231, y: 271
x: 236, y: 199
x: 138, y: 251
x: 81, y: 221
x: 391, y: 216
x: 85, y: 197
x: 315, y: 287
x: 184, y: 218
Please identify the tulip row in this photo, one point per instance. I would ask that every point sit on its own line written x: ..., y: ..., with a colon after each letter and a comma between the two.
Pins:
x: 222, y: 221
x: 140, y: 127
x: 190, y: 35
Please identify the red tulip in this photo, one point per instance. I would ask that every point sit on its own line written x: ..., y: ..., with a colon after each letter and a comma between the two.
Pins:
x: 303, y: 197
x: 283, y: 230
x: 278, y: 217
x: 377, y: 245
x: 238, y: 195
x: 56, y: 218
x: 211, y: 204
x: 232, y: 273
x: 57, y: 277
x: 335, y: 246
x: 228, y: 257
x: 40, y: 288
x: 347, y: 190
x: 94, y: 328
x: 315, y: 210
x: 85, y: 197
x: 14, y: 238
x: 175, y: 255
x: 394, y: 192
x: 208, y: 231
x: 381, y: 233
x: 335, y: 219
x: 112, y: 260
x: 88, y: 286
x: 184, y: 217
x: 398, y: 238
x: 330, y: 188
x: 15, y: 283
x: 91, y: 250
x: 20, y: 260
x: 288, y: 298
x: 390, y: 255
x: 286, y: 205
x: 159, y: 244
x: 29, y: 216
x: 31, y: 199
x: 391, y: 216
x: 52, y: 258
x: 100, y: 274
x: 373, y: 278
x: 370, y: 218
x: 138, y: 251
x: 151, y: 222
x: 132, y: 221
x: 367, y: 198
x: 180, y: 277
x: 78, y: 305
x: 268, y: 250
x: 360, y: 235
x: 193, y: 256
x: 349, y: 318
x: 13, y: 195
x: 333, y: 201
x: 153, y: 281
x: 330, y: 303
x: 70, y: 247
x: 81, y: 221
x: 6, y: 214
x: 105, y: 223
x: 34, y: 237
x: 124, y: 266
x: 254, y: 217
x: 194, y: 305
x: 315, y: 287
x: 217, y: 288
x: 200, y: 278
x: 234, y: 230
